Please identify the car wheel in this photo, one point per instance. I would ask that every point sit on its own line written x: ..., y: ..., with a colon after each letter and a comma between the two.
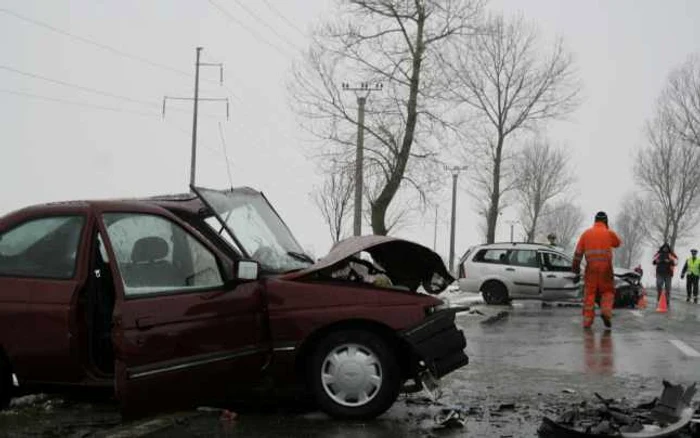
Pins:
x: 495, y: 292
x: 5, y: 384
x: 354, y: 375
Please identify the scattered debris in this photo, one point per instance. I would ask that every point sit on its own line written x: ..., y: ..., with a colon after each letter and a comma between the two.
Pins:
x: 506, y: 407
x: 664, y: 416
x: 450, y: 419
x: 495, y: 317
x: 568, y: 391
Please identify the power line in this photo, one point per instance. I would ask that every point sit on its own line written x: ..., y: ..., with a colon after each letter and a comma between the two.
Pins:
x: 228, y: 163
x: 102, y: 46
x: 233, y: 19
x: 92, y: 90
x: 78, y: 87
x: 264, y: 23
x: 286, y: 20
x: 76, y: 103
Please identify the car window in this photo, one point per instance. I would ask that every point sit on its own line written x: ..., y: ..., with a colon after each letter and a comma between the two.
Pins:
x: 44, y: 248
x: 156, y: 255
x: 555, y: 262
x: 524, y: 257
x: 491, y: 256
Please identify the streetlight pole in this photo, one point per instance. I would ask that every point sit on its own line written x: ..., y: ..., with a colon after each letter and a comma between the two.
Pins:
x: 455, y: 173
x: 364, y: 90
x: 512, y: 228
x: 435, y: 229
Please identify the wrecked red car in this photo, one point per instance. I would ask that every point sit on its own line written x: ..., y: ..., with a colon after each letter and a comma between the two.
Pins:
x: 179, y: 300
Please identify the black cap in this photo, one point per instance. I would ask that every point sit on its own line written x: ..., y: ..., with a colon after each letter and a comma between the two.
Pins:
x: 601, y: 216
x: 693, y: 250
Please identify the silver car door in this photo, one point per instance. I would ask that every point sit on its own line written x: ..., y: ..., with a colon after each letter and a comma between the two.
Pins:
x: 524, y: 272
x: 558, y: 281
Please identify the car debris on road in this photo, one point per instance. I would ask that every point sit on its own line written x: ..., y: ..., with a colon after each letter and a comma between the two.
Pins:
x: 666, y: 416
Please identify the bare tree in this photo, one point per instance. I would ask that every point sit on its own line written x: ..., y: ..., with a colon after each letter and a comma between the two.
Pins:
x: 541, y: 174
x: 334, y: 200
x: 668, y: 168
x: 507, y: 85
x: 397, y: 43
x: 631, y: 225
x: 681, y: 101
x: 565, y: 220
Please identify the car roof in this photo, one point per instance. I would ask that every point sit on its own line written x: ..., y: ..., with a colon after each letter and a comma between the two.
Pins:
x: 518, y: 245
x: 188, y: 203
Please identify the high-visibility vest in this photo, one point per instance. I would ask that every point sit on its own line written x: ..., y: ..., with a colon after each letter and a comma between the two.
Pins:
x: 694, y: 266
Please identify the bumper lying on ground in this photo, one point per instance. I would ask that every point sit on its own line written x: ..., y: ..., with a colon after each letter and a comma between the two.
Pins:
x: 438, y: 343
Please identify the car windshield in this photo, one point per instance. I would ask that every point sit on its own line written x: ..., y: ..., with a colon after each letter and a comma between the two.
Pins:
x: 249, y: 223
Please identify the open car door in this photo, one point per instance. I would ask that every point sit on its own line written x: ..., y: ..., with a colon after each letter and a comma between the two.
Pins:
x: 183, y: 331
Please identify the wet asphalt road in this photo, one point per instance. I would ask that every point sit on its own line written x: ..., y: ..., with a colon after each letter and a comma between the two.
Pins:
x: 526, y: 361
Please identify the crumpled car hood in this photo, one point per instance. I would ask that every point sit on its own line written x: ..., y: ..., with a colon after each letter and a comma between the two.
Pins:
x: 624, y: 272
x: 406, y: 263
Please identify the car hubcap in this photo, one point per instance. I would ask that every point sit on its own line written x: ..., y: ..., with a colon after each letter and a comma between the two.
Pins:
x: 351, y: 375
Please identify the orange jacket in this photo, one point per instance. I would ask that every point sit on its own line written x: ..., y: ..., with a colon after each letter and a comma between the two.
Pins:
x: 596, y: 243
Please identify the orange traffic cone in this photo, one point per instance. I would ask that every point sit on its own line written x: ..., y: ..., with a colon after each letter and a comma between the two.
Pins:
x: 662, y: 307
x: 642, y: 302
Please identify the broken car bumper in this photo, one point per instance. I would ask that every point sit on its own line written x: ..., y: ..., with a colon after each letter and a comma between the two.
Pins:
x: 438, y: 343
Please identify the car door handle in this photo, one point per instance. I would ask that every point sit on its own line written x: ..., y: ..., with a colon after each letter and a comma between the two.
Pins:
x: 551, y: 276
x: 510, y: 269
x: 145, y: 322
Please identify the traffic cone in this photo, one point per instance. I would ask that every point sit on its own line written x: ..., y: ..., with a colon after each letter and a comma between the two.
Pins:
x: 662, y: 307
x: 642, y: 302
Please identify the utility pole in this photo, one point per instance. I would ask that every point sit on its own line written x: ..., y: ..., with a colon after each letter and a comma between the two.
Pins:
x: 455, y: 173
x: 197, y: 99
x: 193, y: 154
x: 362, y: 93
x: 435, y: 229
x: 512, y: 228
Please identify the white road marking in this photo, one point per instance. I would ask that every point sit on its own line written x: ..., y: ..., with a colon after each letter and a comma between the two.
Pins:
x: 637, y: 313
x: 685, y: 348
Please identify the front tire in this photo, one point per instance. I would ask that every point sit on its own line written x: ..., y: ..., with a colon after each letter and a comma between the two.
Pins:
x: 354, y: 375
x: 495, y: 293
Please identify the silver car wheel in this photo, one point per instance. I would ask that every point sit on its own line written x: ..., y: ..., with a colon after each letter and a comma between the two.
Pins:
x: 351, y: 375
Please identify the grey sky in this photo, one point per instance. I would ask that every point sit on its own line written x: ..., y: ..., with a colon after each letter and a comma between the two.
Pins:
x: 55, y: 151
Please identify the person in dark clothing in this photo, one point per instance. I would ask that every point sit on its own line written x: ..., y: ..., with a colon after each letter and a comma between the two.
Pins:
x: 692, y: 268
x: 665, y: 260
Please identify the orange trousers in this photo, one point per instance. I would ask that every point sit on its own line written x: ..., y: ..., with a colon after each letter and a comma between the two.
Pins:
x: 598, y: 283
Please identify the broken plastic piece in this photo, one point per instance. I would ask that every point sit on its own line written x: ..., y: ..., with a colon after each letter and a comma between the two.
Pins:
x: 430, y: 385
x: 450, y: 418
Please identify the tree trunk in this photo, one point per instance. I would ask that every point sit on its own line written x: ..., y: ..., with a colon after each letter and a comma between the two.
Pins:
x: 381, y: 204
x: 492, y: 220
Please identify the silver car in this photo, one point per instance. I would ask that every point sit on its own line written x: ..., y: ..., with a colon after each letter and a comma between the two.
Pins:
x: 506, y: 271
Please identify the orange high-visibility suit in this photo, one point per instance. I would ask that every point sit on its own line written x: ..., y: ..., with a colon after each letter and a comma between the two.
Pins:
x: 596, y: 244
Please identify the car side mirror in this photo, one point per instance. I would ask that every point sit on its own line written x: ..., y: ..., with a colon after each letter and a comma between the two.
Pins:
x: 246, y: 270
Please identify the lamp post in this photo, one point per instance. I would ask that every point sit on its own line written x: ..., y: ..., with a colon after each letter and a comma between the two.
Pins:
x: 455, y: 173
x: 512, y: 227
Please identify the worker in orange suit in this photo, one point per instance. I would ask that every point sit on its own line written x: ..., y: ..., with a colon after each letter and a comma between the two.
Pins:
x: 596, y: 244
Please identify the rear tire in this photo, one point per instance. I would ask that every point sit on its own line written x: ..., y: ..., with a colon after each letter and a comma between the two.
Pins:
x: 5, y: 383
x: 354, y: 375
x: 495, y: 292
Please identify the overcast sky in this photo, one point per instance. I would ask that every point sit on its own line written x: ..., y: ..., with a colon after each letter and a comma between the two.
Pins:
x: 63, y: 143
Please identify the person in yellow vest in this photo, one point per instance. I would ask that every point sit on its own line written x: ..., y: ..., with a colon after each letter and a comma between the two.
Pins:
x: 692, y: 268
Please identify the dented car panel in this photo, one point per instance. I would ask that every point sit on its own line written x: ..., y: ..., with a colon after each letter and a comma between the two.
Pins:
x: 408, y: 264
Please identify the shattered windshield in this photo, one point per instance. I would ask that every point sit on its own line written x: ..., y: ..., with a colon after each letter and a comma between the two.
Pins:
x: 253, y: 227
